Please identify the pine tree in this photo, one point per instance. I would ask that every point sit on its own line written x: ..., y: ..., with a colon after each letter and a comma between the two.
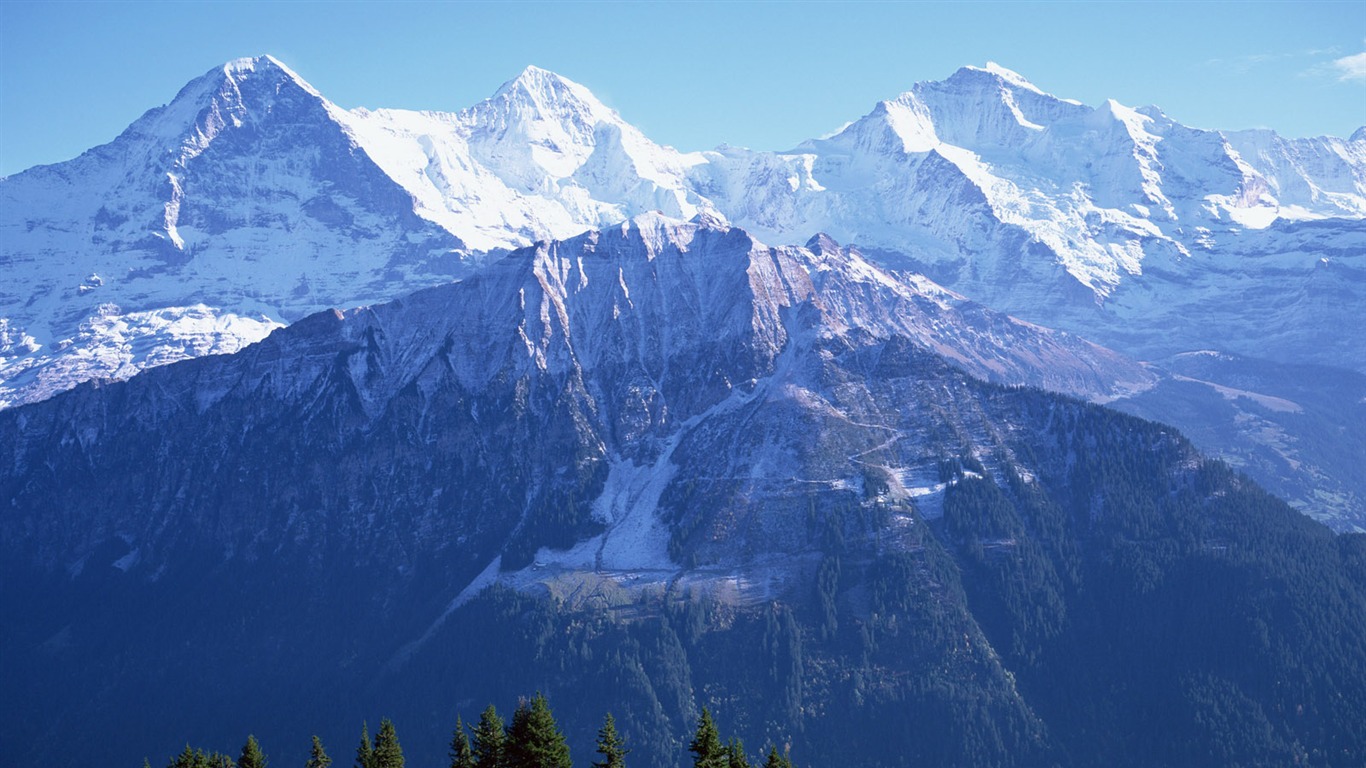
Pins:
x: 488, y: 740
x: 534, y: 740
x: 735, y: 754
x: 184, y: 760
x: 706, y: 744
x: 198, y: 758
x: 515, y: 729
x: 318, y: 757
x: 365, y: 753
x: 461, y: 754
x: 610, y: 745
x: 776, y: 760
x: 252, y: 757
x: 388, y: 753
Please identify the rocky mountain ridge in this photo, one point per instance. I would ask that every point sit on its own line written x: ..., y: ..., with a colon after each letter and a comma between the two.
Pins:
x: 250, y: 201
x: 656, y: 467
x: 628, y: 334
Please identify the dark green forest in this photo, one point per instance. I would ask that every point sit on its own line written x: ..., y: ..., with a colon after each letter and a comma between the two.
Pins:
x: 1130, y: 604
x: 531, y: 740
x: 1096, y: 594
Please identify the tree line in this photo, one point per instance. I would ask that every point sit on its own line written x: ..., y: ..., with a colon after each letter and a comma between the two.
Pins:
x: 531, y: 740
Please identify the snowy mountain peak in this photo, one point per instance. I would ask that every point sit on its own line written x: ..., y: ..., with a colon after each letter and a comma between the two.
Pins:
x: 821, y: 242
x: 539, y: 94
x: 540, y: 158
x: 1008, y: 75
x: 172, y: 234
x: 535, y: 78
x: 263, y: 72
x: 263, y: 63
x: 994, y: 74
x: 270, y: 67
x: 540, y: 123
x: 1134, y: 121
x: 239, y: 92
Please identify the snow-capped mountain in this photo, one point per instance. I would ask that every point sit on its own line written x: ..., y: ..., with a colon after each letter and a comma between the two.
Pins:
x: 250, y: 200
x: 1312, y: 177
x: 540, y: 159
x: 1112, y: 222
x: 242, y: 204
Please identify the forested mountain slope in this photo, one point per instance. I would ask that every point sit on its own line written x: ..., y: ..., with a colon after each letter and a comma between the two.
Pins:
x: 654, y: 468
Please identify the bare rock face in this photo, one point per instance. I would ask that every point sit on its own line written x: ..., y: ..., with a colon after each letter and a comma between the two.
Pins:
x: 610, y: 348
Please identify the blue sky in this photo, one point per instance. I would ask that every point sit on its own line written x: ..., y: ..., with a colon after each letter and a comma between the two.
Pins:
x: 690, y: 74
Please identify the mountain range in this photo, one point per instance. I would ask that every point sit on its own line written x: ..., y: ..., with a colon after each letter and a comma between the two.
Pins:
x: 650, y: 466
x: 423, y: 410
x: 1106, y: 221
x: 250, y: 201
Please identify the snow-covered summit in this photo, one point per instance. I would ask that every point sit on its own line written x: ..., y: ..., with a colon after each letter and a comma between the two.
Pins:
x: 231, y: 93
x: 541, y: 158
x: 263, y: 65
x: 1009, y: 75
x: 541, y: 119
x: 252, y: 197
x: 541, y: 94
x: 243, y: 202
x: 1089, y: 218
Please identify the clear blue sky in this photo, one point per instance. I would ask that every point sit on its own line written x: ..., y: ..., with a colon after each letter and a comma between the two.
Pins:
x: 690, y: 74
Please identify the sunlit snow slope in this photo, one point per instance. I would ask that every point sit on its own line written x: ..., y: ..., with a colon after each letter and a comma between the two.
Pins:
x: 242, y: 204
x: 1114, y: 222
x: 251, y: 200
